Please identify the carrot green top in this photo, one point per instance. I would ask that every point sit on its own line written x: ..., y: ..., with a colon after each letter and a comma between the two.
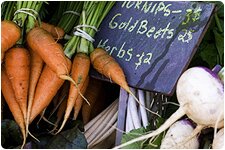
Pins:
x: 91, y: 17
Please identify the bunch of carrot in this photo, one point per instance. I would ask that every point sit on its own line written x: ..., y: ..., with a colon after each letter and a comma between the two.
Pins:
x: 16, y: 58
x: 35, y: 73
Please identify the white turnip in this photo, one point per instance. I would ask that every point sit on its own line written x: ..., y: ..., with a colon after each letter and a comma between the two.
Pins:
x: 177, y: 133
x: 218, y: 141
x: 200, y: 94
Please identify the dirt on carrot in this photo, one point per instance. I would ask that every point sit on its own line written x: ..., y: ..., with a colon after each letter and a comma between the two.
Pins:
x: 17, y: 64
x: 49, y: 50
x: 10, y: 99
x: 79, y: 101
x: 79, y: 73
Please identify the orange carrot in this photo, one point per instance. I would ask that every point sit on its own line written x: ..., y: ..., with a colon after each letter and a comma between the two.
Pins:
x: 35, y: 72
x: 92, y: 94
x: 79, y: 100
x: 17, y: 64
x: 59, y: 114
x: 50, y: 51
x: 14, y: 107
x: 10, y: 34
x: 55, y: 31
x: 61, y: 111
x: 106, y: 65
x: 60, y: 96
x: 80, y: 69
x: 48, y: 85
x: 2, y: 56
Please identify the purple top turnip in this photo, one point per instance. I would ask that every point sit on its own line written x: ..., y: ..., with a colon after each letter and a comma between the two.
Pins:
x: 201, y: 97
x: 177, y: 134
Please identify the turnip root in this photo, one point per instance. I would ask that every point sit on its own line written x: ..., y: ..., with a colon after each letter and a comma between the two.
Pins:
x: 218, y: 141
x: 201, y: 97
x: 177, y: 133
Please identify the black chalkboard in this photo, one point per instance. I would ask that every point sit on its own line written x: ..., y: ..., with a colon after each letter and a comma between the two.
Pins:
x: 153, y: 41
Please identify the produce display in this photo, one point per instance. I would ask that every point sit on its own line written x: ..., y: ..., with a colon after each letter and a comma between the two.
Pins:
x: 51, y: 97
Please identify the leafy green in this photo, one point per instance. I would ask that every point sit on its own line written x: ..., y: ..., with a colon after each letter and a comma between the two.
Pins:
x: 208, y: 54
x: 219, y: 38
x: 10, y: 133
x: 69, y: 139
x: 131, y: 135
x: 7, y: 10
x: 146, y: 144
x: 211, y: 49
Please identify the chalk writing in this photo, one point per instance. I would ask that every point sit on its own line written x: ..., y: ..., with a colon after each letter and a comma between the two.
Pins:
x: 192, y: 15
x: 153, y: 41
x: 126, y: 54
x: 150, y: 7
x: 141, y: 27
x: 186, y: 36
x: 144, y: 26
x: 142, y: 58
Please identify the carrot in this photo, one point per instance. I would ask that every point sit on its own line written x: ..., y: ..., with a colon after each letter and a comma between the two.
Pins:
x: 35, y: 72
x: 10, y: 34
x: 14, y: 107
x: 48, y: 85
x: 50, y: 51
x: 59, y: 114
x: 92, y: 94
x: 106, y: 65
x: 80, y: 69
x: 60, y: 96
x: 79, y: 100
x: 17, y: 64
x: 2, y: 56
x: 61, y: 111
x: 55, y: 31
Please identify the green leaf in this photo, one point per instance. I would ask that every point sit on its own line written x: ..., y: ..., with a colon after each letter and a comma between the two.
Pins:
x: 157, y: 140
x: 209, y: 54
x: 131, y: 135
x: 141, y: 131
x: 219, y: 41
x: 155, y: 143
x: 69, y: 139
x: 10, y: 133
x: 220, y: 8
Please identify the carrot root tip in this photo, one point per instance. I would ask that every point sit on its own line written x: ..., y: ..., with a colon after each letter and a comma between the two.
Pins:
x: 33, y: 136
x: 24, y: 139
x: 60, y: 129
x: 130, y: 92
x: 65, y: 77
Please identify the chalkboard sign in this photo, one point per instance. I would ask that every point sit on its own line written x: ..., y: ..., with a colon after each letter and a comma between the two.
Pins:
x: 153, y: 41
